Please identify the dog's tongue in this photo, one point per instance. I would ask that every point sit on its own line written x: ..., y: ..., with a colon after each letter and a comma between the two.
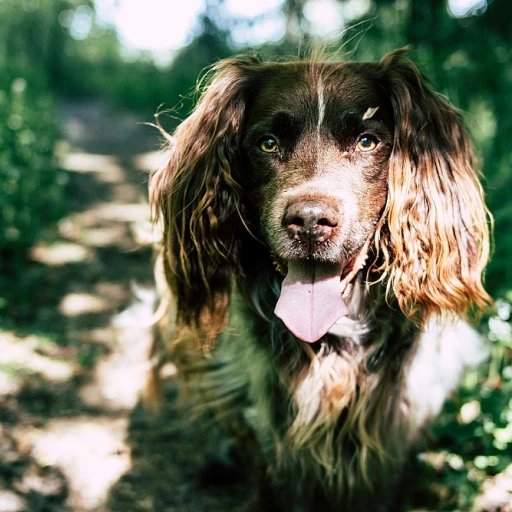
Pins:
x: 310, y: 302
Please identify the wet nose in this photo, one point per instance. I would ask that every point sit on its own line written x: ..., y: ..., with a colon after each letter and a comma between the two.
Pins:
x: 310, y: 221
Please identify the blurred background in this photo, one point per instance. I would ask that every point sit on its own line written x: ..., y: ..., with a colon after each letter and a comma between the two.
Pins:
x: 78, y: 80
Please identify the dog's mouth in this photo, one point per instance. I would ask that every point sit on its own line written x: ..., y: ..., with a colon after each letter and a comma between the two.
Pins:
x: 311, y: 298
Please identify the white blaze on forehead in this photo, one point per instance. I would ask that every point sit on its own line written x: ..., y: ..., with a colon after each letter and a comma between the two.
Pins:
x: 321, y: 103
x: 321, y: 113
x: 370, y: 113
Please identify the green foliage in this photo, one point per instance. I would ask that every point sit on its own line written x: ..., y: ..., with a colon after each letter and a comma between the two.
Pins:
x: 30, y: 184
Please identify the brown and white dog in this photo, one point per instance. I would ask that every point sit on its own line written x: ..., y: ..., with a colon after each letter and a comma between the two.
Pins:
x: 324, y: 236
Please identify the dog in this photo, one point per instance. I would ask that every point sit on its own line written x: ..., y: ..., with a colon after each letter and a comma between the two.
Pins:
x: 324, y: 235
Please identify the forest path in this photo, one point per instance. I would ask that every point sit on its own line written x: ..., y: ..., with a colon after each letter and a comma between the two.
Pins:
x: 73, y: 434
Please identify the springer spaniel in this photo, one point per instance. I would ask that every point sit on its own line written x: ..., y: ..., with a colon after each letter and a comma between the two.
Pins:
x: 324, y: 237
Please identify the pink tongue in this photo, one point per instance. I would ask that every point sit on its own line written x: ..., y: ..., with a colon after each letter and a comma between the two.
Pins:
x: 310, y: 302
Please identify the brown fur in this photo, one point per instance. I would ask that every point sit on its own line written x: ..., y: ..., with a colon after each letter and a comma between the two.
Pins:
x: 333, y: 420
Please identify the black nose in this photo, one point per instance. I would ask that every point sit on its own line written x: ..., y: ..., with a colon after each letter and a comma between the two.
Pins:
x: 310, y: 221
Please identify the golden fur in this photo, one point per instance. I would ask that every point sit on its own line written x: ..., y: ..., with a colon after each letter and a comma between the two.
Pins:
x: 329, y: 424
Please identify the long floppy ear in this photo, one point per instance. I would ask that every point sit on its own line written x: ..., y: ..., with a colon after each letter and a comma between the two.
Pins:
x: 198, y: 199
x: 437, y: 240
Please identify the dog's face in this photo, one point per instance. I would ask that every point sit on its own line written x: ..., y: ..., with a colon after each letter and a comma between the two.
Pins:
x: 317, y: 142
x: 330, y: 161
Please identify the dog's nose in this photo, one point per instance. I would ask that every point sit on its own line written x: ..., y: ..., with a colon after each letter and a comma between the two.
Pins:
x: 310, y: 221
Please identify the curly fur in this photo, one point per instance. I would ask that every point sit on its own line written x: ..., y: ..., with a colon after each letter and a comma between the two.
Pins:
x: 330, y: 423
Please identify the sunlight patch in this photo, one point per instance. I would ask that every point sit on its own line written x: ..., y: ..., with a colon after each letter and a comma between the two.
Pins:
x: 92, y: 456
x: 75, y: 304
x: 120, y: 212
x: 103, y: 237
x: 60, y: 253
x: 120, y: 377
x: 11, y: 501
x: 19, y: 356
x: 150, y: 161
x: 88, y: 162
x: 470, y: 411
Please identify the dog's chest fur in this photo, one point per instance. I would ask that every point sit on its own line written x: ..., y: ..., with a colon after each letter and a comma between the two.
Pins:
x: 342, y: 419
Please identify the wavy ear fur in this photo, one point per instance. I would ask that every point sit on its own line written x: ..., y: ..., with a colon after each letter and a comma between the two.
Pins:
x: 435, y: 241
x: 198, y: 199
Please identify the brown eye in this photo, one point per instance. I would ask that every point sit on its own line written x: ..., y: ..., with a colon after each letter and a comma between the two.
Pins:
x: 269, y: 145
x: 366, y: 143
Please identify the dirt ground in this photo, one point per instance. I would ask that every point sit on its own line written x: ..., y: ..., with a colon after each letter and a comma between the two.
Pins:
x: 73, y: 433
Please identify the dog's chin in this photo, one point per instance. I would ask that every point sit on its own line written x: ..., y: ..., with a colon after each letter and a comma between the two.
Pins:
x: 349, y: 259
x: 322, y: 252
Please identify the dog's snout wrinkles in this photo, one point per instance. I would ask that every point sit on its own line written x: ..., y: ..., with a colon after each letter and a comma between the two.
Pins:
x: 310, y: 221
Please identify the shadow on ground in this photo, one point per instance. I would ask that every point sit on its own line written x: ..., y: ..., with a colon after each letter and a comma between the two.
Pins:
x: 166, y: 467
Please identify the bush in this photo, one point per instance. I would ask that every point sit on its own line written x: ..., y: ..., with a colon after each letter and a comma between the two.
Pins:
x: 30, y: 183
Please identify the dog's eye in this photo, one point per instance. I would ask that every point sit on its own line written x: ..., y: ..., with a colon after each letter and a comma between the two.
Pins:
x: 367, y: 143
x: 269, y: 145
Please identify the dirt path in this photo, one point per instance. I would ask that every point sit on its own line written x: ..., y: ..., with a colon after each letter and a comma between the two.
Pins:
x: 73, y: 435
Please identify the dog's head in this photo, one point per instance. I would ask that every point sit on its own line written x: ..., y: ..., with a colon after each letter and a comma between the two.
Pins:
x: 325, y: 162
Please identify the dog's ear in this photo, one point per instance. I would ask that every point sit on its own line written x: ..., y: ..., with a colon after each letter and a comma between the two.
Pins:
x: 198, y: 199
x: 436, y: 238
